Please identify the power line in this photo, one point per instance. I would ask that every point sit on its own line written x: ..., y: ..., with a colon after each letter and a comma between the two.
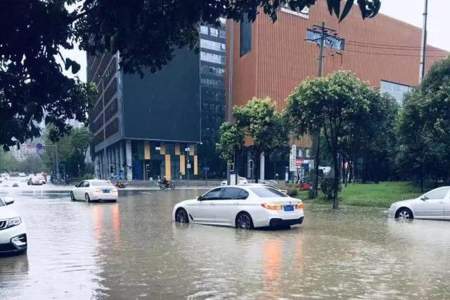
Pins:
x: 392, y: 54
x: 393, y: 47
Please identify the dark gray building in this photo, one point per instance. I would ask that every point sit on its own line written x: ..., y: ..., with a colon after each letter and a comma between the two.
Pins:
x: 155, y: 126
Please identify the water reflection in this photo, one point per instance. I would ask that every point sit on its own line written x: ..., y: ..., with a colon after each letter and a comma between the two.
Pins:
x: 132, y: 250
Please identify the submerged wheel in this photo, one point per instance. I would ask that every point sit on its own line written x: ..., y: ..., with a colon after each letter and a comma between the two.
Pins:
x: 181, y: 216
x: 72, y: 196
x: 404, y: 213
x: 86, y: 196
x: 244, y: 221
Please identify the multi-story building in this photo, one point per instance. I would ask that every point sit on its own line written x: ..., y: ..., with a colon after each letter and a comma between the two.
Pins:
x: 154, y: 126
x: 266, y: 59
x: 212, y: 93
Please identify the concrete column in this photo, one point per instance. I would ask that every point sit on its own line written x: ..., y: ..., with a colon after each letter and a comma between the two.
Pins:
x: 128, y: 160
x: 121, y: 156
x: 262, y: 167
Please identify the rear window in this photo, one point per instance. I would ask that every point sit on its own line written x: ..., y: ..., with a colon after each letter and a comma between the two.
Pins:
x: 101, y: 182
x: 267, y: 192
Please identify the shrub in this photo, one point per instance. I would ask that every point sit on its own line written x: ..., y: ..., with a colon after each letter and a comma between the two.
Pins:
x: 292, y: 192
x: 326, y: 185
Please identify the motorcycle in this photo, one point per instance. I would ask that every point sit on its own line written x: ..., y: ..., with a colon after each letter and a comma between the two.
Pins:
x: 120, y: 185
x: 166, y: 186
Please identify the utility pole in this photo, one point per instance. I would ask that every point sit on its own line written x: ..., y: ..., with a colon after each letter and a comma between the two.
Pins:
x: 320, y: 35
x: 423, y: 49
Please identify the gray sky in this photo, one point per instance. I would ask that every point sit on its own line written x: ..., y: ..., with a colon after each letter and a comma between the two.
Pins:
x: 409, y: 11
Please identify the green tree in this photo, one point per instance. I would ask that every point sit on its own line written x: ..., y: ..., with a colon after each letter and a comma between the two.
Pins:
x: 424, y: 128
x: 70, y: 150
x: 7, y: 161
x: 231, y: 140
x: 370, y: 143
x: 264, y: 125
x: 334, y: 104
x: 145, y: 32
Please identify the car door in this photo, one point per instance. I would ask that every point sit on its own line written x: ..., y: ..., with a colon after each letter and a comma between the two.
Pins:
x: 77, y: 190
x: 203, y: 210
x: 83, y: 189
x: 431, y: 204
x: 447, y: 206
x: 227, y: 207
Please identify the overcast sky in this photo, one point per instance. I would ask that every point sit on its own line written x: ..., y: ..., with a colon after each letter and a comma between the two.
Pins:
x: 409, y: 11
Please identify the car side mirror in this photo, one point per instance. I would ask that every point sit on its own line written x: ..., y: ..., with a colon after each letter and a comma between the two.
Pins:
x: 199, y: 198
x: 424, y: 198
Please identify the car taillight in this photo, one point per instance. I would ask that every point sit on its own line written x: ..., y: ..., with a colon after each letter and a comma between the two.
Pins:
x: 271, y: 206
x: 300, y: 205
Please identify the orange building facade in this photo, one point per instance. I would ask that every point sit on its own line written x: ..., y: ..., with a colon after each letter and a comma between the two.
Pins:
x: 383, y: 51
x: 378, y: 49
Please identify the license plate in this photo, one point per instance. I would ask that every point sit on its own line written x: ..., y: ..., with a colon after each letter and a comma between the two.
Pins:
x: 105, y: 191
x: 289, y: 208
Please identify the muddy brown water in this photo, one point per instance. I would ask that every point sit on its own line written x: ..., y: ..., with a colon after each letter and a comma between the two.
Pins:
x: 132, y: 250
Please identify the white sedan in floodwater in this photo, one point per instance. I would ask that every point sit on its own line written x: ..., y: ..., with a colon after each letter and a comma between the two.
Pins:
x: 94, y: 190
x: 434, y: 204
x: 13, y: 235
x: 247, y: 206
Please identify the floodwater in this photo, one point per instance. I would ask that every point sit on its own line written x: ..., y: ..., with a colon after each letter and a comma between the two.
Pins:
x: 132, y: 250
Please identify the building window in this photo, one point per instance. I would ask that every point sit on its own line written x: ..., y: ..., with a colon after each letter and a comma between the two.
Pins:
x: 214, y: 32
x: 245, y: 36
x: 211, y: 45
x: 204, y: 29
x: 222, y: 34
x: 304, y: 13
x: 212, y: 70
x: 212, y: 58
x: 396, y: 90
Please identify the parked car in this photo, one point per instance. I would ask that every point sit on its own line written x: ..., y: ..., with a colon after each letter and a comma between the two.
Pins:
x: 94, y: 190
x: 434, y: 204
x: 246, y: 206
x: 13, y: 235
x: 241, y: 180
x: 36, y: 180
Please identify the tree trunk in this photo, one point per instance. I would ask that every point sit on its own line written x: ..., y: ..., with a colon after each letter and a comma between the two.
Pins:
x: 257, y: 162
x: 336, y: 181
x: 316, y: 166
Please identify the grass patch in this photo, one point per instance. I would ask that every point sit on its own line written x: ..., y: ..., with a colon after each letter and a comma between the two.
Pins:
x: 382, y: 194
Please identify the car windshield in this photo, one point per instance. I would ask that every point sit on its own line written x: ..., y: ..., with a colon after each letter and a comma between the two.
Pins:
x: 100, y: 182
x: 267, y: 192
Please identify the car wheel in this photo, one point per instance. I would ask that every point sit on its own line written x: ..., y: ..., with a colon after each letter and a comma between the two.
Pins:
x: 181, y: 216
x: 72, y: 196
x: 86, y: 196
x: 404, y: 213
x: 244, y: 221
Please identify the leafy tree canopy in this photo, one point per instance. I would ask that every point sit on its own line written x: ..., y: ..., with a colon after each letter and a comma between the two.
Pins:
x: 424, y: 127
x: 335, y: 105
x: 145, y: 32
x: 264, y: 125
x: 231, y: 140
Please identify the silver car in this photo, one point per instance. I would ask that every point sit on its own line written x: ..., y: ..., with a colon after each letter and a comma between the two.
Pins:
x: 434, y: 204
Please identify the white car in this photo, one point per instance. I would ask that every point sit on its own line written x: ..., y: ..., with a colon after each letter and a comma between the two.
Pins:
x: 36, y: 180
x: 247, y: 206
x: 94, y: 190
x: 241, y: 180
x: 434, y: 204
x: 13, y: 235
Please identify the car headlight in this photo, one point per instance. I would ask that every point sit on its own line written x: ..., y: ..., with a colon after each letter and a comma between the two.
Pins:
x: 12, y: 222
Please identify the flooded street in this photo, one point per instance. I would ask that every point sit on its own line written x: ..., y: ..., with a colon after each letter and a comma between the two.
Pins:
x: 131, y: 250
